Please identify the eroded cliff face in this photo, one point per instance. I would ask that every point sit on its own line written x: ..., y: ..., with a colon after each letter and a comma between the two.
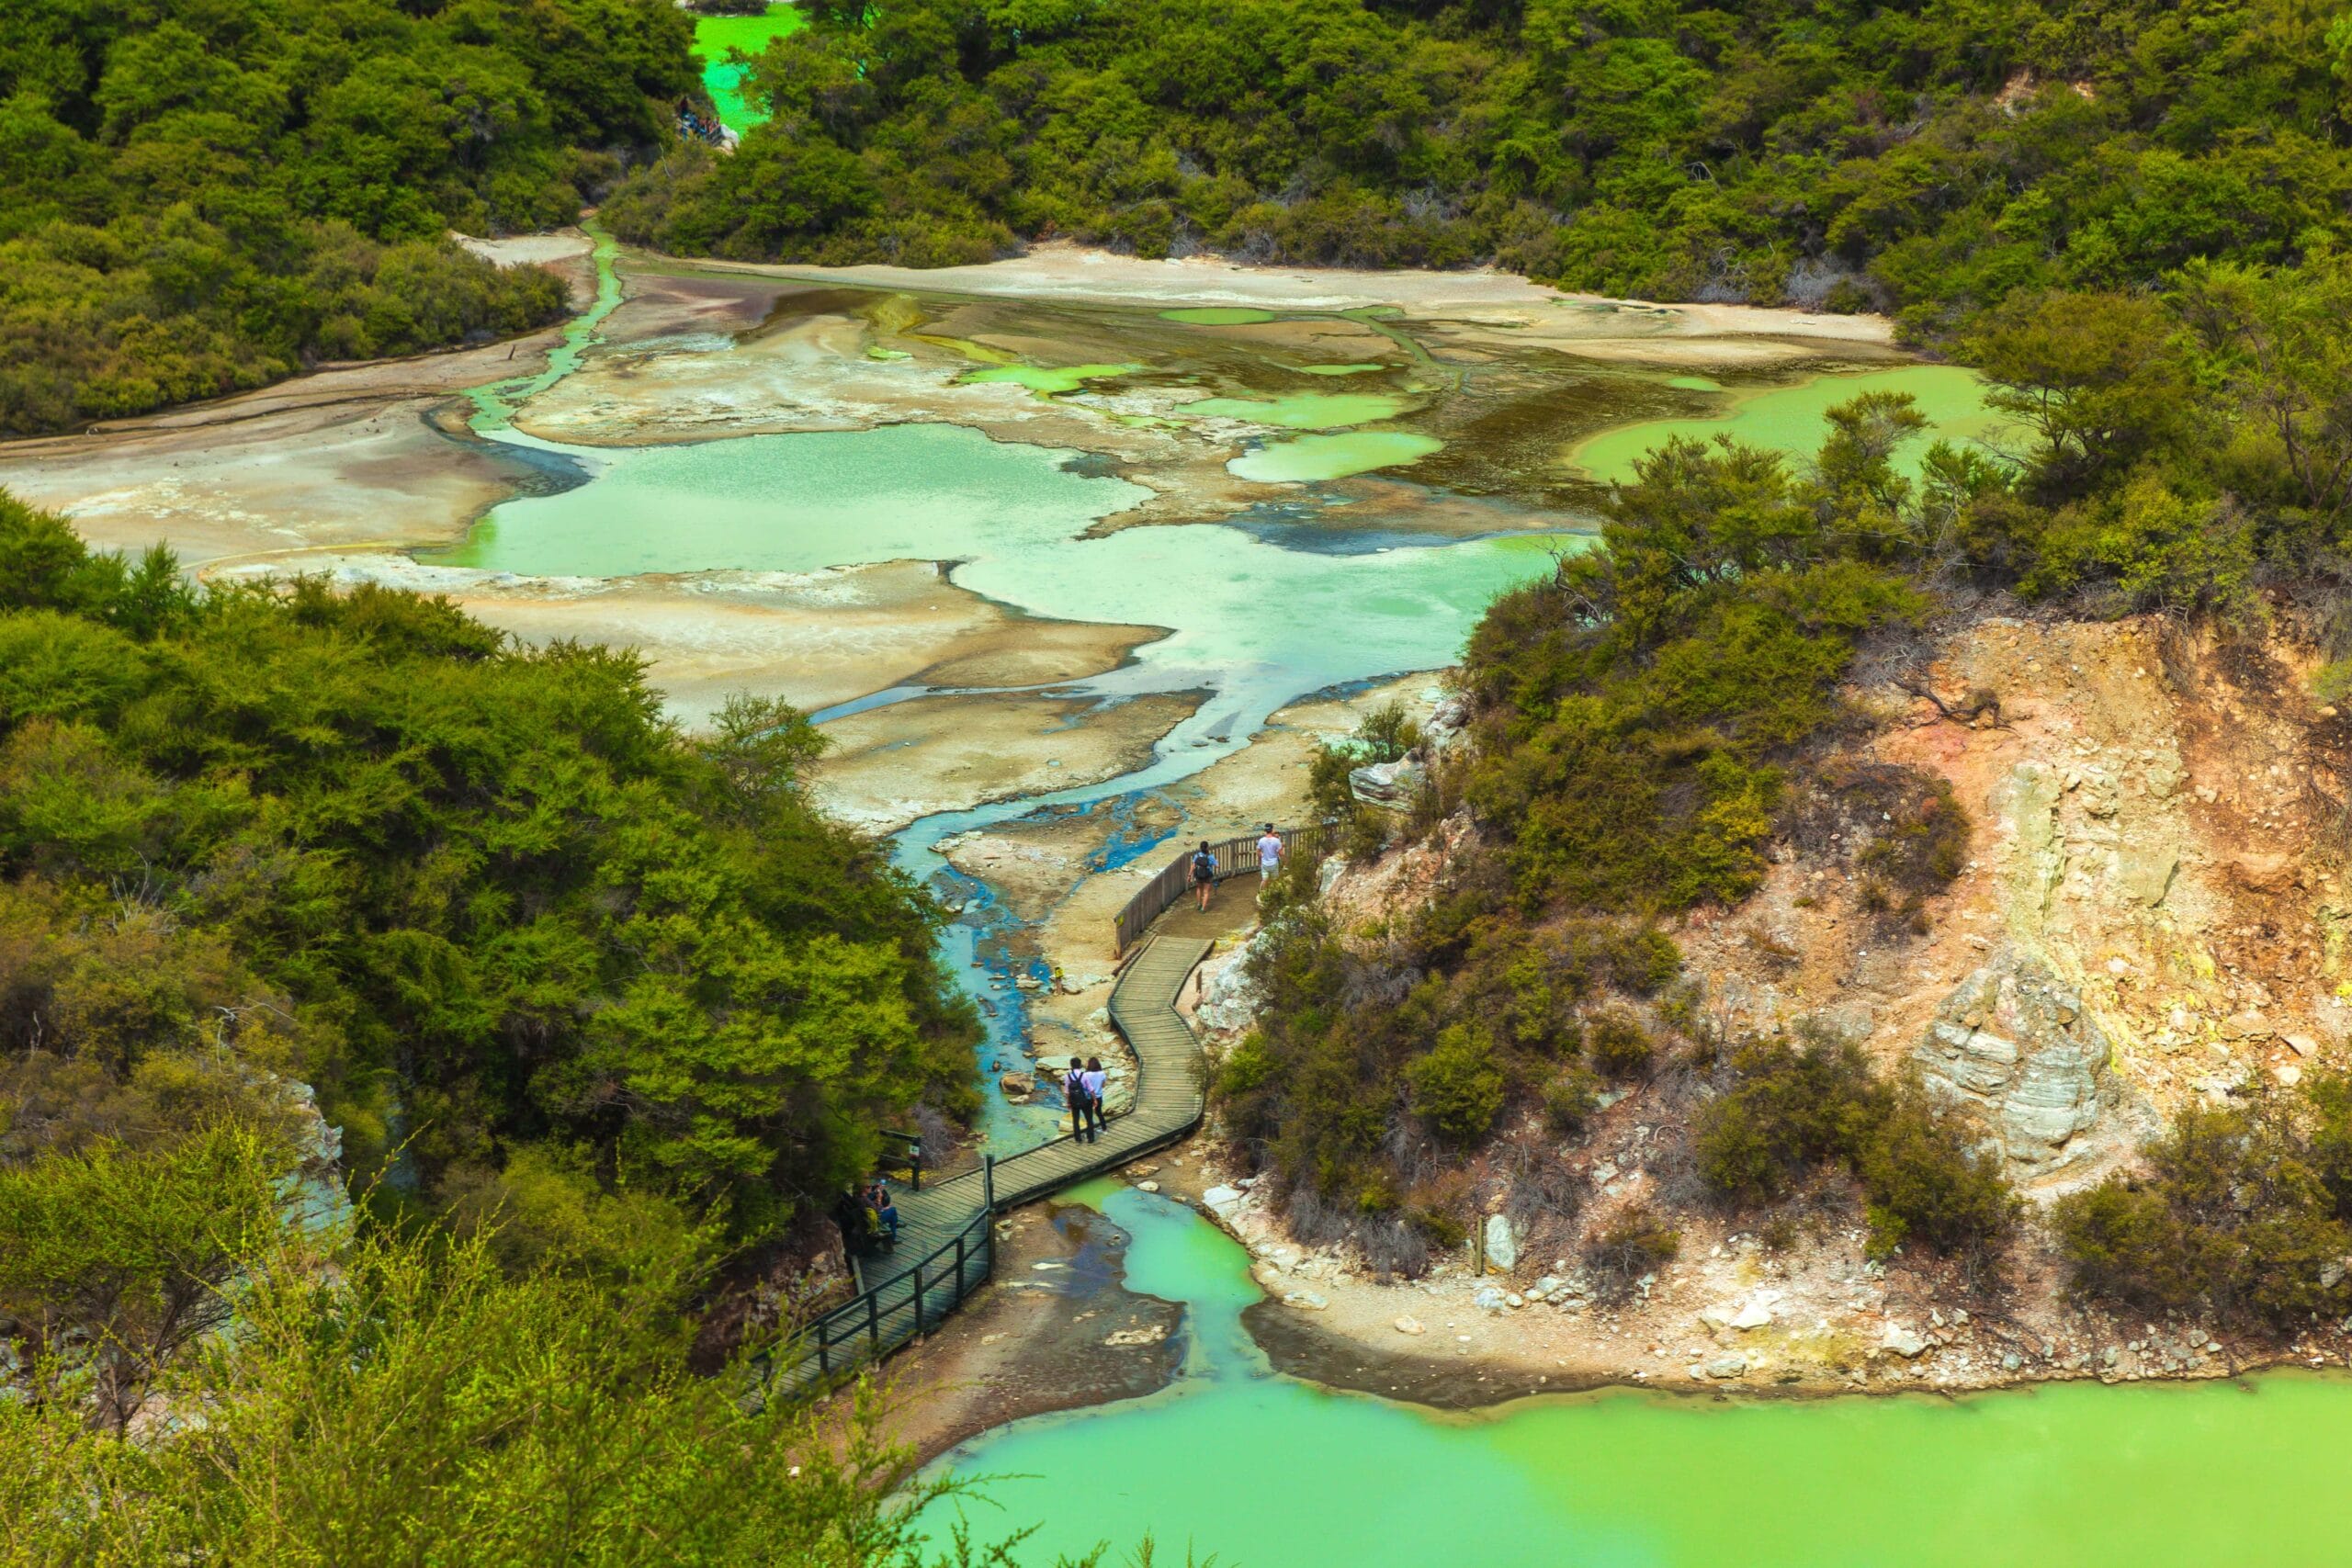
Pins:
x: 2146, y: 913
x: 2149, y: 912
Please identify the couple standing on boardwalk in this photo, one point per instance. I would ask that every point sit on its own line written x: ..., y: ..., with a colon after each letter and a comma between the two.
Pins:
x: 1270, y: 860
x: 1082, y: 1087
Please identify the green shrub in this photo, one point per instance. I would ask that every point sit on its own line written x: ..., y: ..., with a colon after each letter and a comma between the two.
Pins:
x: 1927, y: 1183
x: 1458, y: 1087
x: 1569, y: 1101
x: 1788, y: 1110
x: 1616, y: 1044
x: 1633, y: 1242
x: 2235, y: 1218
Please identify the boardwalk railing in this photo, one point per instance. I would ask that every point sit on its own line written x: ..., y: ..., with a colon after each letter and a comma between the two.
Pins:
x: 912, y: 1301
x: 1235, y: 857
x: 903, y: 1307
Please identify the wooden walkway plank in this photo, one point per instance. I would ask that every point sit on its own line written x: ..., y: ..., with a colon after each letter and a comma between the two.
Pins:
x: 944, y: 1231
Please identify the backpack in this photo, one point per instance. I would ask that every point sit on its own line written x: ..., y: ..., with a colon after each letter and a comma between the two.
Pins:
x: 1203, y: 866
x: 1074, y: 1085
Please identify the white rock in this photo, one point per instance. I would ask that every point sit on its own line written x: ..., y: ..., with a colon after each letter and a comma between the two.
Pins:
x: 1489, y: 1298
x: 1146, y: 1186
x: 1411, y: 1324
x: 1222, y: 1200
x: 1753, y: 1314
x: 1312, y: 1300
x: 1502, y: 1243
x: 2303, y: 1044
x: 1902, y: 1341
x: 1513, y: 1300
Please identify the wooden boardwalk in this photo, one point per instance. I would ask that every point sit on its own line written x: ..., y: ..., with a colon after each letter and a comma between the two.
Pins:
x: 946, y: 1242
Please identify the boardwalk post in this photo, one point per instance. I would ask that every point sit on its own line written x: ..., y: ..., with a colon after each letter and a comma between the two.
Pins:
x: 874, y: 1318
x: 959, y: 1265
x: 988, y: 1183
x: 918, y: 1276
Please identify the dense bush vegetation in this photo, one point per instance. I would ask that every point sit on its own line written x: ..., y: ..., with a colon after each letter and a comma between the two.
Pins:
x: 1786, y: 1113
x: 396, y: 1399
x: 1931, y: 160
x: 1386, y: 1056
x: 199, y: 198
x: 2244, y: 1214
x: 484, y: 900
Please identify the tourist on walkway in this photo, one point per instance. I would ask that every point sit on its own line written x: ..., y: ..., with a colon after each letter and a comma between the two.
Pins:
x: 1269, y: 856
x: 1096, y: 1079
x: 886, y: 1212
x: 1204, y: 874
x: 1074, y: 1096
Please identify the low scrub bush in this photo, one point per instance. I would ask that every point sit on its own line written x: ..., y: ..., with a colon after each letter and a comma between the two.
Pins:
x: 2242, y: 1215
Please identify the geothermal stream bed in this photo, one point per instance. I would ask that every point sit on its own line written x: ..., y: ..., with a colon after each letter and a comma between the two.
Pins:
x: 1228, y: 493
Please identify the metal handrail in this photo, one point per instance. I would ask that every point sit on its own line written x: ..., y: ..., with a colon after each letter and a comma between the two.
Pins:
x: 1235, y: 857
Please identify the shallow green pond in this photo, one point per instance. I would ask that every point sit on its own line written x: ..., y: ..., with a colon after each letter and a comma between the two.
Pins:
x: 1302, y: 410
x: 714, y: 36
x: 1218, y: 315
x: 1047, y: 381
x: 1270, y: 1473
x: 1792, y: 418
x: 1260, y: 622
x: 1310, y: 457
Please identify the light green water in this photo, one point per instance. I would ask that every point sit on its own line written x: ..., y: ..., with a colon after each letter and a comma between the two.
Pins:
x: 1049, y: 381
x: 1301, y: 410
x: 1259, y: 622
x: 1270, y: 1473
x: 1337, y: 369
x: 1792, y: 418
x: 1310, y: 457
x: 714, y: 36
x: 1217, y: 315
x: 495, y: 403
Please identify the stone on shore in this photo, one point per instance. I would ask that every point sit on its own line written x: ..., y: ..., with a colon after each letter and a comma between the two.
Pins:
x: 1408, y: 1324
x: 1502, y: 1243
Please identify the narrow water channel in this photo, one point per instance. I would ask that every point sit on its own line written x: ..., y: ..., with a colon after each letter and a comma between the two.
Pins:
x: 1269, y: 1472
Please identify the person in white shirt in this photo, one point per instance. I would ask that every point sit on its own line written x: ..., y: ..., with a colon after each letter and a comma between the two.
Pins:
x: 1095, y: 1078
x: 1269, y: 856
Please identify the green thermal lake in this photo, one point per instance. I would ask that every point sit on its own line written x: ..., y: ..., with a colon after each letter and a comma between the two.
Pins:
x: 714, y: 36
x: 1792, y: 418
x: 1267, y: 1472
x: 1263, y: 621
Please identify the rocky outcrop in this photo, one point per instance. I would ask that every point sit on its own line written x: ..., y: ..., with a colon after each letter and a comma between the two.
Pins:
x: 2013, y: 1043
x: 1394, y: 785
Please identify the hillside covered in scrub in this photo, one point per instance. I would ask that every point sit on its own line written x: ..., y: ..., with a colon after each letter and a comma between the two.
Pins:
x: 1895, y: 855
x: 1928, y: 161
x: 199, y: 198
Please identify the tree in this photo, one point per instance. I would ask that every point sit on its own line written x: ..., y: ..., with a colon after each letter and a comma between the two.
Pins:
x: 117, y: 1261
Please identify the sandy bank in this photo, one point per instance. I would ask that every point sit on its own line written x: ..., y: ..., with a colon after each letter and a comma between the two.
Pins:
x: 1074, y: 273
x: 813, y: 639
x: 890, y: 765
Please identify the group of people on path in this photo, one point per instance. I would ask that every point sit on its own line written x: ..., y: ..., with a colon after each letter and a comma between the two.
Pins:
x: 868, y: 1218
x: 1083, y: 1090
x: 1270, y: 852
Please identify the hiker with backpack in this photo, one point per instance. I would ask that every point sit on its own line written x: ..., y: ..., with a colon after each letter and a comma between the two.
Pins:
x: 1204, y: 874
x: 1084, y: 1111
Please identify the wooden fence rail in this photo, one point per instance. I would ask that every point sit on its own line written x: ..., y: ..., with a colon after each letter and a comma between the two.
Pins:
x: 1235, y: 857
